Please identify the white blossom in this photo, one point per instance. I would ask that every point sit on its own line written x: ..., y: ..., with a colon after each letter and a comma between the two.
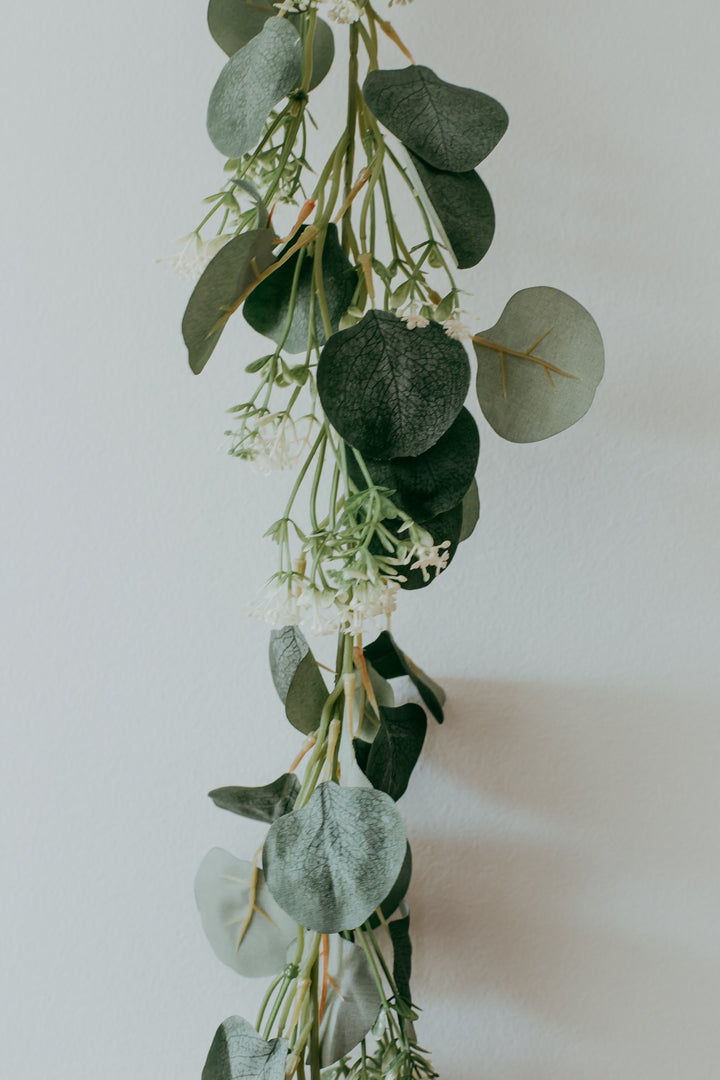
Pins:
x: 279, y: 442
x: 344, y: 11
x: 414, y: 321
x: 457, y: 330
x: 194, y: 256
x: 278, y: 606
x: 434, y: 556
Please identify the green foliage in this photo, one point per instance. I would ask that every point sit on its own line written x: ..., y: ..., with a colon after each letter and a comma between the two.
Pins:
x: 471, y: 512
x: 432, y: 482
x: 265, y: 804
x: 395, y: 897
x: 246, y: 928
x: 297, y: 678
x: 330, y: 864
x: 352, y: 1002
x: 223, y: 282
x: 392, y: 663
x: 394, y: 751
x: 268, y: 307
x: 449, y: 127
x: 522, y: 399
x: 238, y: 1053
x: 251, y: 84
x: 402, y: 956
x: 233, y: 23
x: 390, y: 391
x: 463, y: 209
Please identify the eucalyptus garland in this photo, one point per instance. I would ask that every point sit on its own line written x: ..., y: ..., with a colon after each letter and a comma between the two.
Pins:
x: 362, y: 392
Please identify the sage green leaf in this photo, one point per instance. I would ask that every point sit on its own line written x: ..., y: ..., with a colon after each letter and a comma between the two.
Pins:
x: 267, y: 308
x: 395, y: 897
x: 233, y: 23
x: 392, y: 663
x: 223, y: 896
x: 395, y: 749
x: 463, y: 210
x: 390, y: 391
x: 352, y: 1003
x: 239, y: 1053
x: 297, y: 678
x: 520, y: 399
x: 265, y: 804
x: 470, y: 512
x: 251, y: 84
x: 224, y: 280
x: 331, y: 863
x: 367, y: 724
x: 450, y: 127
x: 402, y: 956
x: 432, y: 482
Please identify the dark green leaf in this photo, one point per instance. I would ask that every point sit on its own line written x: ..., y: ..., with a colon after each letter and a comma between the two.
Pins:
x: 297, y: 678
x: 395, y: 897
x: 392, y: 663
x: 352, y: 1002
x: 223, y: 282
x: 450, y: 127
x: 446, y: 526
x: 395, y: 749
x: 266, y: 803
x: 402, y: 956
x: 529, y: 403
x: 390, y: 391
x: 267, y: 307
x: 239, y: 1053
x: 330, y: 864
x: 471, y: 512
x: 463, y: 209
x: 222, y: 893
x: 432, y: 482
x: 251, y: 84
x: 233, y: 23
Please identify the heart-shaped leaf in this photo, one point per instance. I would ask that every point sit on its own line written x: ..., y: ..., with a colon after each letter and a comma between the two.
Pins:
x: 251, y: 84
x: 239, y: 1053
x: 524, y: 400
x: 233, y: 23
x: 471, y: 512
x: 267, y: 307
x: 331, y: 863
x: 432, y: 482
x: 223, y: 892
x: 297, y: 678
x: 402, y: 956
x: 390, y: 391
x: 392, y: 663
x: 224, y: 280
x: 265, y: 804
x: 352, y: 1001
x: 395, y: 749
x: 450, y: 127
x: 463, y: 210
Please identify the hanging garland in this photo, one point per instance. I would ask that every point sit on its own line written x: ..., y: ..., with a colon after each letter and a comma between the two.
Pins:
x: 363, y: 394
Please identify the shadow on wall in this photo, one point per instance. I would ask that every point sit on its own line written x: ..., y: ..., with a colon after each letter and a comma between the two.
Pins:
x: 566, y: 895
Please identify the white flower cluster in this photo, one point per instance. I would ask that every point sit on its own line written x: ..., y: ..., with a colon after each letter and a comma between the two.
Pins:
x: 194, y: 255
x: 273, y: 441
x: 340, y: 11
x: 454, y: 328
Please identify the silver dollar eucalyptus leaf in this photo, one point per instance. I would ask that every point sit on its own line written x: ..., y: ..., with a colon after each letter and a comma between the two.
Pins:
x: 352, y: 1008
x: 239, y: 1053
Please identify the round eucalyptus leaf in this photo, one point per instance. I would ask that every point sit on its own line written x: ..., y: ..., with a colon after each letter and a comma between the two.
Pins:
x: 390, y: 391
x: 395, y: 749
x: 387, y: 657
x: 222, y: 893
x: 331, y: 863
x: 520, y: 399
x: 267, y: 308
x: 462, y: 208
x: 224, y: 280
x: 251, y: 84
x: 471, y: 512
x: 352, y: 1001
x: 449, y: 127
x: 239, y: 1053
x: 432, y: 482
x: 233, y: 23
x: 266, y: 803
x: 297, y: 678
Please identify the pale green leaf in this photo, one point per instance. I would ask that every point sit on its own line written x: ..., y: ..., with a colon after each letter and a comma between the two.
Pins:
x: 239, y: 1053
x: 352, y: 1002
x: 297, y: 678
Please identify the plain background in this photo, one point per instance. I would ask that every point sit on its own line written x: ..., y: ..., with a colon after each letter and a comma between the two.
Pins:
x: 566, y: 903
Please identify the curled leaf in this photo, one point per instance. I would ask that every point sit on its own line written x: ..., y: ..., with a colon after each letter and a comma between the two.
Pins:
x: 352, y: 1001
x: 297, y: 678
x: 266, y: 803
x: 391, y: 662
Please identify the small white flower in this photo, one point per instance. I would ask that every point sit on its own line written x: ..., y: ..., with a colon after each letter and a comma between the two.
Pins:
x: 344, y: 11
x: 278, y: 606
x: 434, y: 557
x: 414, y: 321
x: 280, y: 442
x: 194, y: 256
x: 457, y: 330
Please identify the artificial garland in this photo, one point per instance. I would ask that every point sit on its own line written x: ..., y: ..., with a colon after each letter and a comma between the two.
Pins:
x: 363, y: 393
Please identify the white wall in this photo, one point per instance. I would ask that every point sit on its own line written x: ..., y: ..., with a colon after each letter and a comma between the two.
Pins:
x: 565, y: 819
